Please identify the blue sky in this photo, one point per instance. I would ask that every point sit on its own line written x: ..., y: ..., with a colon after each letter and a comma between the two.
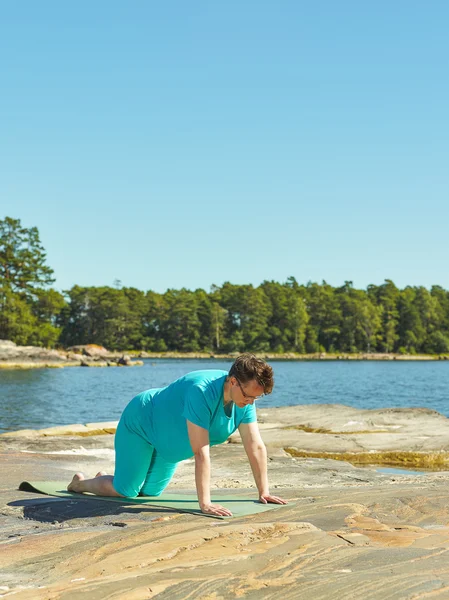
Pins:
x: 184, y: 144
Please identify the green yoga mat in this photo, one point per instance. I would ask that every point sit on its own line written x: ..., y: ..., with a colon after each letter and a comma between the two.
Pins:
x: 238, y: 505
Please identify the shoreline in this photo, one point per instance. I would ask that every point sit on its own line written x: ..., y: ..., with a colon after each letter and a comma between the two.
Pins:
x: 293, y: 356
x: 20, y: 366
x: 288, y: 356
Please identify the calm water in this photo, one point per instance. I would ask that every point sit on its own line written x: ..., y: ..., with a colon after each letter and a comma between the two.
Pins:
x: 46, y: 397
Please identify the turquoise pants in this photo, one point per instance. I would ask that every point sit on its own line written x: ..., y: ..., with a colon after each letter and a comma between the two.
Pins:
x: 139, y: 470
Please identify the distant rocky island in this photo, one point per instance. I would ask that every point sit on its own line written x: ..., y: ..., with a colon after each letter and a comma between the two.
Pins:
x: 89, y: 355
x: 13, y: 356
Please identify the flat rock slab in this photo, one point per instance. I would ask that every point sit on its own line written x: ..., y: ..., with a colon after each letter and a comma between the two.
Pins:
x: 332, y: 539
x: 351, y: 532
x: 318, y: 428
x: 334, y: 428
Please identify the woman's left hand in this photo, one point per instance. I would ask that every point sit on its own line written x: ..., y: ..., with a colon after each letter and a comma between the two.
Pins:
x: 269, y: 499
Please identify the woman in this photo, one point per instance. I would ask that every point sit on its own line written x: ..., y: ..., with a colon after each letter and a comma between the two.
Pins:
x: 161, y: 427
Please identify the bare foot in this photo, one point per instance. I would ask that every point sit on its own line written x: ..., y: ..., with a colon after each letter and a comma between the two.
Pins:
x: 74, y: 484
x: 101, y: 474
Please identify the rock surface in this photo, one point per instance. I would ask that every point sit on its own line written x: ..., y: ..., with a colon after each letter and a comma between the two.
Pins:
x: 91, y: 350
x: 27, y: 357
x: 348, y: 532
x: 92, y: 355
x: 10, y: 352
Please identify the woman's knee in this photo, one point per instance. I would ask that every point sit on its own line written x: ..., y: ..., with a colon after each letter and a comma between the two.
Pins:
x: 152, y: 489
x: 158, y: 477
x: 124, y: 489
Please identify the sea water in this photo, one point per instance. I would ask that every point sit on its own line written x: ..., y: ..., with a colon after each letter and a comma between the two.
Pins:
x: 40, y: 398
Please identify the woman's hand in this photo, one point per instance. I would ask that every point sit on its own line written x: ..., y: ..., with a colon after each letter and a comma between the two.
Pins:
x: 269, y: 499
x: 216, y: 509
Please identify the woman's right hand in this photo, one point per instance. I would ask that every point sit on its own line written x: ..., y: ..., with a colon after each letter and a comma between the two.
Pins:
x: 216, y: 509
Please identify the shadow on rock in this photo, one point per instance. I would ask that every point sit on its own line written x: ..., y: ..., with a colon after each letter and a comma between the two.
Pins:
x: 59, y: 510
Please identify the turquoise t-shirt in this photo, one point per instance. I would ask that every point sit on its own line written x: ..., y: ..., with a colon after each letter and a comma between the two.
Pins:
x: 161, y: 414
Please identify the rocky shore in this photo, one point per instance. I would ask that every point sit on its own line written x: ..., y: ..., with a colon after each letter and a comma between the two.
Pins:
x: 92, y: 355
x: 349, y: 531
x: 32, y: 357
x: 295, y: 356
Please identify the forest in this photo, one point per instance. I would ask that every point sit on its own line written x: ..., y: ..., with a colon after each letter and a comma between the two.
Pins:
x: 272, y: 317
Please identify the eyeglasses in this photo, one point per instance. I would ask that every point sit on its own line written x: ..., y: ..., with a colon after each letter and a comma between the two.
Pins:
x: 245, y: 395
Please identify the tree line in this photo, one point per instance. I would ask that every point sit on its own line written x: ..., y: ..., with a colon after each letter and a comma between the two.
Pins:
x: 272, y: 317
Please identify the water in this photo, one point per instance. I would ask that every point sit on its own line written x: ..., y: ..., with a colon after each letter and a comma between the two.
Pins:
x: 46, y: 397
x: 405, y: 472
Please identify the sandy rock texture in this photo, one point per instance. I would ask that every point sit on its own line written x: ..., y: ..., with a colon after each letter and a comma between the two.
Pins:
x: 348, y: 532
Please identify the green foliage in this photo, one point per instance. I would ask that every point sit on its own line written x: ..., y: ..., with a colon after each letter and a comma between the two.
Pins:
x: 437, y: 343
x: 288, y: 318
x: 22, y: 258
x: 111, y: 317
x: 17, y: 322
x: 386, y: 297
x: 179, y: 324
x: 280, y: 317
x: 325, y: 313
x: 28, y: 310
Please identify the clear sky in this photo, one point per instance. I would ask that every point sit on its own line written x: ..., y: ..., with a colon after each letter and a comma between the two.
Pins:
x: 183, y: 144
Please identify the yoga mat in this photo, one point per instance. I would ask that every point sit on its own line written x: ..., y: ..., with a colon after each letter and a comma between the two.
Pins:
x: 239, y: 505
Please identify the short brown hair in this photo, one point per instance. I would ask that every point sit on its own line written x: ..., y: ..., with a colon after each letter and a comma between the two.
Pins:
x: 247, y: 367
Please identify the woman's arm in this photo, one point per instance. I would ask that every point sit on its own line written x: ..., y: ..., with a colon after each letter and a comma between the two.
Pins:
x: 199, y: 440
x: 257, y: 456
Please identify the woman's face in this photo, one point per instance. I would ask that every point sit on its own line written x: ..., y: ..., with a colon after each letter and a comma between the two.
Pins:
x: 245, y: 393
